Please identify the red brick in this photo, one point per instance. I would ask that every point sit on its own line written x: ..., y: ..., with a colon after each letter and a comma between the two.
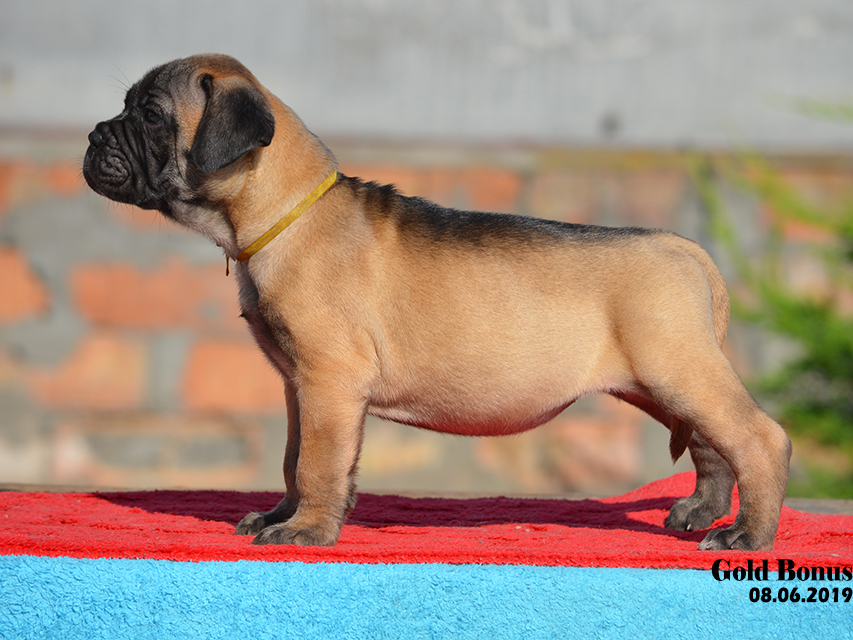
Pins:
x: 174, y: 294
x: 827, y: 191
x: 145, y: 220
x: 575, y: 452
x: 568, y: 196
x: 7, y: 177
x: 24, y: 295
x: 796, y: 232
x: 481, y: 188
x: 801, y: 231
x: 13, y: 175
x: 24, y: 181
x: 132, y: 450
x: 410, y: 181
x: 478, y: 188
x: 587, y: 452
x: 231, y: 377
x: 106, y: 371
x: 11, y: 371
x: 64, y: 178
x: 650, y: 198
x: 492, y: 189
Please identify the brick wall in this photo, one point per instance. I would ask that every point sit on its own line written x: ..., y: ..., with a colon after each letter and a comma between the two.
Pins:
x: 123, y: 361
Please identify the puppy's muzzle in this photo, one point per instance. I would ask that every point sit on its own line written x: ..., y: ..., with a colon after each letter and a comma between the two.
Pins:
x: 104, y: 166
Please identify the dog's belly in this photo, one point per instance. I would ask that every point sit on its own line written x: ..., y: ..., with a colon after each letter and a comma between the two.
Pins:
x: 478, y: 406
x: 466, y: 425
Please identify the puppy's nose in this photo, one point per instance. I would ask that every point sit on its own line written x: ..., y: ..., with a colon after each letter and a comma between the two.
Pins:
x: 96, y: 139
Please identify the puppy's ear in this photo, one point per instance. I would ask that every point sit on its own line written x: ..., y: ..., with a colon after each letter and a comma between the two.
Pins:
x: 236, y: 120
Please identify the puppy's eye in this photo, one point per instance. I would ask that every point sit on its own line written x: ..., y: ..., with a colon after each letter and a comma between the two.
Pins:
x: 152, y: 117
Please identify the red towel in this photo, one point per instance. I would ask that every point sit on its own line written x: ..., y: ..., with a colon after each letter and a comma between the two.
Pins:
x: 624, y: 531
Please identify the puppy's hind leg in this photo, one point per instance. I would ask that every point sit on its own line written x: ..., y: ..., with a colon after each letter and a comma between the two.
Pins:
x: 712, y: 497
x: 709, y: 395
x: 715, y: 479
x: 760, y: 459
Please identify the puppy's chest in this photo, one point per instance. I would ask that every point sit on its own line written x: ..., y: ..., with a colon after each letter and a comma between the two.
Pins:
x: 270, y: 332
x: 274, y: 340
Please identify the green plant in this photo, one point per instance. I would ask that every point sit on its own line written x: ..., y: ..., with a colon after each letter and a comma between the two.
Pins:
x: 813, y: 394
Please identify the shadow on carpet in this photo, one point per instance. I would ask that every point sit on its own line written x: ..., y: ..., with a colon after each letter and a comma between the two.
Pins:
x: 623, y: 531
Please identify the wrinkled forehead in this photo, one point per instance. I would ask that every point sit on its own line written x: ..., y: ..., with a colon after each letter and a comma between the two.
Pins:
x: 167, y: 75
x: 166, y: 87
x: 173, y: 89
x: 176, y: 88
x: 179, y: 75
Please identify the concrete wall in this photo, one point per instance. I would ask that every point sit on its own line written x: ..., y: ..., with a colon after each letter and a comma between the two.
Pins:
x: 659, y: 73
x: 122, y: 360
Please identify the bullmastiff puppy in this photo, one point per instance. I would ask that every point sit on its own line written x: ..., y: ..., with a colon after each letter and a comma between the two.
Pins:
x: 370, y: 302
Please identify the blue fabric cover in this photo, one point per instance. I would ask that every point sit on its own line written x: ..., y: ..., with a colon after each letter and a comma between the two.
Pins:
x: 79, y: 598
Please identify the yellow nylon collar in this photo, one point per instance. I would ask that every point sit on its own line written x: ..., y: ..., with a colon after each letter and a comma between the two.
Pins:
x: 287, y: 220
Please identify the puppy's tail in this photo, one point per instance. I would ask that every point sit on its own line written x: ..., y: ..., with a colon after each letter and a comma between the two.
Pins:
x: 679, y: 437
x: 680, y: 431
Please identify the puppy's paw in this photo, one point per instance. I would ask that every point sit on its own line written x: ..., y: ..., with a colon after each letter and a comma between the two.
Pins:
x: 732, y: 538
x: 285, y: 533
x: 691, y: 514
x: 251, y: 525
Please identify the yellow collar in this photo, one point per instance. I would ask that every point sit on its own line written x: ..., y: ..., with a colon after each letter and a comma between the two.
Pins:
x: 287, y: 220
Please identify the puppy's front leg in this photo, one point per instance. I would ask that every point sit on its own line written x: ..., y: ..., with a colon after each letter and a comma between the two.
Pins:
x: 320, y: 467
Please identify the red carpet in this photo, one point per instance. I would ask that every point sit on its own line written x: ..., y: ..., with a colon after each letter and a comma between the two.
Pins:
x: 624, y: 531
